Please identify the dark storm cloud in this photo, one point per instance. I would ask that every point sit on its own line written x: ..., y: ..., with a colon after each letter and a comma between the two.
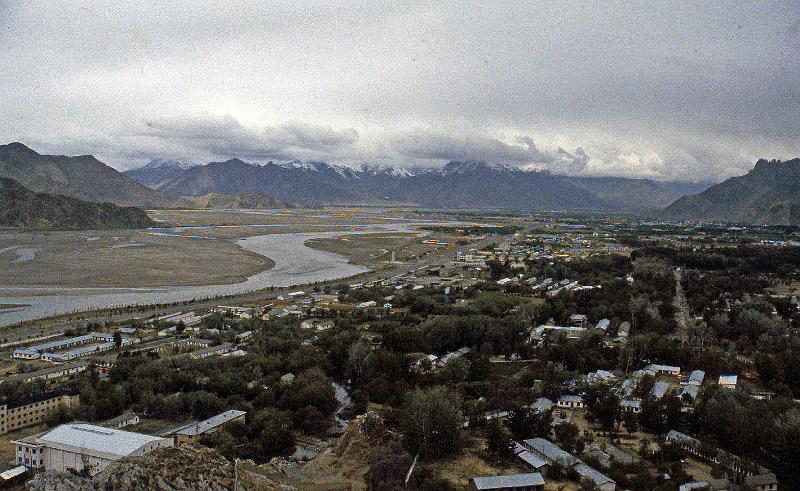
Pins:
x: 423, y: 144
x: 227, y: 138
x: 660, y: 89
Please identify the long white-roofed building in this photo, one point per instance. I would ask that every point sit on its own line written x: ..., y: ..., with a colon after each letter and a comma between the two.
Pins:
x: 83, y: 447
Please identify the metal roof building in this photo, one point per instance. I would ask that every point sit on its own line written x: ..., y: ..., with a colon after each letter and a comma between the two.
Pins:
x: 209, y: 425
x: 530, y: 481
x: 81, y: 446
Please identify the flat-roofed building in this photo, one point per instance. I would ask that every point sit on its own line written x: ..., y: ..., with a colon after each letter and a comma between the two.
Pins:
x: 50, y: 373
x: 34, y: 410
x: 211, y: 351
x: 82, y: 447
x: 194, y: 432
x: 79, y: 352
x: 728, y: 381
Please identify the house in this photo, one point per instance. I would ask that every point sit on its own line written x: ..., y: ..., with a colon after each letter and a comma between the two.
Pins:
x: 712, y: 485
x: 554, y: 455
x: 514, y: 482
x: 121, y: 421
x: 287, y: 378
x: 603, y: 324
x: 193, y: 432
x: 364, y: 305
x: 593, y: 477
x: 728, y: 381
x: 14, y: 475
x: 630, y: 405
x: 535, y: 462
x: 542, y: 405
x: 578, y: 320
x: 655, y: 369
x: 761, y: 482
x: 688, y: 394
x: 81, y: 447
x: 628, y: 387
x: 659, y: 389
x: 244, y: 336
x: 619, y: 455
x: 571, y: 332
x: 25, y: 354
x: 550, y: 452
x: 697, y: 377
x: 600, y: 377
x: 570, y: 402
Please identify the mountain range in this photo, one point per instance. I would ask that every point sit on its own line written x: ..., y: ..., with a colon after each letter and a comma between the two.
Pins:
x: 768, y: 194
x: 470, y: 184
x: 83, y: 177
x: 22, y: 208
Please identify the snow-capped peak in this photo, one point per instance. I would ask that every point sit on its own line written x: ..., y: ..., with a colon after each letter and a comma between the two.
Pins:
x: 393, y: 171
x: 296, y: 164
x: 321, y: 167
x: 180, y: 163
x: 472, y: 166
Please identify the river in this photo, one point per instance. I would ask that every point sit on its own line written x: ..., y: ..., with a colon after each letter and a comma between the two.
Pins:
x: 295, y: 264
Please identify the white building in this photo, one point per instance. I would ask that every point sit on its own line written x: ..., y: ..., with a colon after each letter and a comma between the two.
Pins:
x: 728, y: 381
x: 83, y: 447
x: 570, y: 402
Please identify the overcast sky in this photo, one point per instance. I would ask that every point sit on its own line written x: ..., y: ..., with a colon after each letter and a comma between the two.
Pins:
x: 669, y: 90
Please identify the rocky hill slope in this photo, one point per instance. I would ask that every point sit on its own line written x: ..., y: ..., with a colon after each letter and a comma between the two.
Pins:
x: 249, y: 201
x: 768, y: 194
x: 82, y: 177
x: 22, y: 208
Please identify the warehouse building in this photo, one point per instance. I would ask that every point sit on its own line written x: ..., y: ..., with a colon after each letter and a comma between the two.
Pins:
x: 83, y: 448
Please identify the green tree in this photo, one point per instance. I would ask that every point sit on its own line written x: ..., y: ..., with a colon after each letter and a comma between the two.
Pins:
x: 431, y: 420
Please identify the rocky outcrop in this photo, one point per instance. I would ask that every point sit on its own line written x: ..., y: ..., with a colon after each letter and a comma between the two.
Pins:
x: 184, y: 468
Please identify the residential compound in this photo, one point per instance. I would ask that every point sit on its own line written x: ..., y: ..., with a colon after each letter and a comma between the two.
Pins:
x: 34, y: 410
x: 61, y: 350
x: 83, y: 448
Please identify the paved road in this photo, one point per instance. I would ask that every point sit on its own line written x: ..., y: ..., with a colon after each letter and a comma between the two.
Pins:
x: 682, y: 316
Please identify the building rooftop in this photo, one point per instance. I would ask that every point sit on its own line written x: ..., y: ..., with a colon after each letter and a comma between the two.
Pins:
x: 592, y: 474
x: 211, y: 423
x: 532, y: 460
x: 659, y: 389
x: 42, y: 396
x: 697, y: 376
x: 760, y: 480
x: 510, y: 481
x: 97, y: 439
x: 681, y: 437
x: 46, y: 371
x: 551, y: 451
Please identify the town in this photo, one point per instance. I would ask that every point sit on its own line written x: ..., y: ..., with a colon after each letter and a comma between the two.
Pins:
x: 544, y: 352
